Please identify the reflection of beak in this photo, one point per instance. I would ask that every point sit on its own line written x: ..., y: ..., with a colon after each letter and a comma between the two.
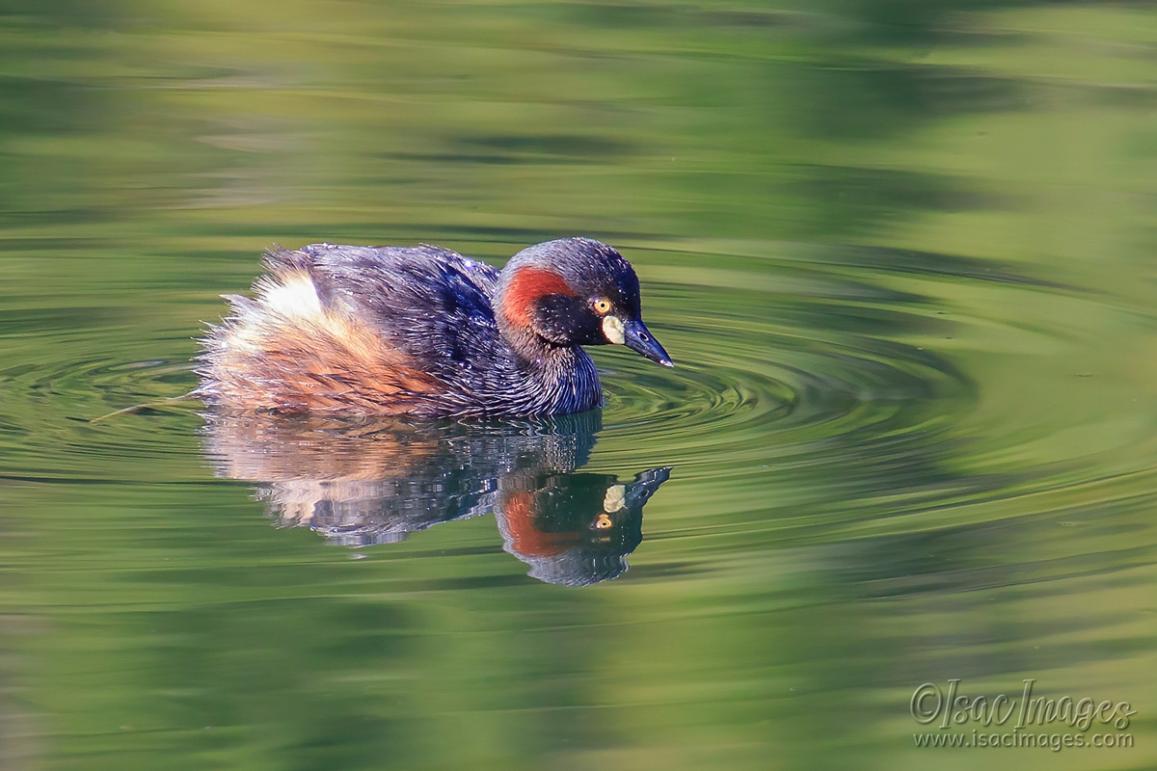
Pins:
x: 640, y: 340
x: 645, y: 485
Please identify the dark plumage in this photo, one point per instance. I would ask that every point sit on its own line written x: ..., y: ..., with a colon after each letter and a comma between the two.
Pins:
x: 373, y: 480
x: 425, y: 331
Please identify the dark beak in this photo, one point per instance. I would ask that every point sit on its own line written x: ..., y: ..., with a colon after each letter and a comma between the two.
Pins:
x: 645, y: 485
x: 640, y: 340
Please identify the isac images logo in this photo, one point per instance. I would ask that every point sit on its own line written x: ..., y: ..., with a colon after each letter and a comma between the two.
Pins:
x: 959, y: 720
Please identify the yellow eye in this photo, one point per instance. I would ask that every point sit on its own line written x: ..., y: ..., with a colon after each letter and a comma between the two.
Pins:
x: 602, y: 306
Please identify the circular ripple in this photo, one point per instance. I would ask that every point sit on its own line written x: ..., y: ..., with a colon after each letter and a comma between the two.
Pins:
x: 67, y: 375
x: 746, y: 392
x: 750, y: 396
x: 814, y: 399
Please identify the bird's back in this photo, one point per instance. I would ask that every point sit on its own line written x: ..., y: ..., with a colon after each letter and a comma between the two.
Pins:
x: 341, y: 328
x: 431, y: 303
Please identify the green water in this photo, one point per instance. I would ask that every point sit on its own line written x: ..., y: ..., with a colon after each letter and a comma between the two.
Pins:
x: 902, y: 251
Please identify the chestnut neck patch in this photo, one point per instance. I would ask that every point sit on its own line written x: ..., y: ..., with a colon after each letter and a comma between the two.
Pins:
x: 526, y: 288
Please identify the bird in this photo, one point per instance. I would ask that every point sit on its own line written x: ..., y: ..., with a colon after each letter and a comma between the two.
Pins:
x: 424, y: 332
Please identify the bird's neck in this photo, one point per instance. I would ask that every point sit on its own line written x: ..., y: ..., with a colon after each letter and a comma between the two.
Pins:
x: 553, y: 379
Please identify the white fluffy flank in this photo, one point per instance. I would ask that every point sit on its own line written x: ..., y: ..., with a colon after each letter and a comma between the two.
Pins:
x: 291, y: 295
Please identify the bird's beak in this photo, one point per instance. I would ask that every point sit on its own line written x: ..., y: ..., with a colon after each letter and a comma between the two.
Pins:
x: 645, y: 485
x: 639, y: 339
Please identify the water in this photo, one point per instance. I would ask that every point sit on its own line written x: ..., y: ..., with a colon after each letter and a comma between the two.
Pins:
x: 902, y: 253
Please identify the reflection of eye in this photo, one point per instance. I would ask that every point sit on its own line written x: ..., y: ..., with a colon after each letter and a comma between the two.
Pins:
x: 602, y: 306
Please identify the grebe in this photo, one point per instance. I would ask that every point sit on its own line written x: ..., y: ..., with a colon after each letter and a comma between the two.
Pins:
x: 424, y: 331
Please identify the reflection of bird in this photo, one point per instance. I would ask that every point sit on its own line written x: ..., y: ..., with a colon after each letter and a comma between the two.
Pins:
x: 577, y: 529
x: 425, y: 331
x: 375, y: 481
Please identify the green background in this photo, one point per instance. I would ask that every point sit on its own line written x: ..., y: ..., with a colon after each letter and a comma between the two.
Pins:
x: 903, y: 252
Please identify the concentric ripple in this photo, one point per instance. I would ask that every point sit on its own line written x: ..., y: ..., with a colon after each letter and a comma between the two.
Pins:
x: 745, y: 390
x: 772, y: 392
x: 754, y: 397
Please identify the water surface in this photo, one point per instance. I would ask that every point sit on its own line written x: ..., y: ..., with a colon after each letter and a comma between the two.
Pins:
x: 902, y: 253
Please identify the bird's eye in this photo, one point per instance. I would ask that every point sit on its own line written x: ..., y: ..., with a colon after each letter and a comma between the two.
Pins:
x: 602, y: 306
